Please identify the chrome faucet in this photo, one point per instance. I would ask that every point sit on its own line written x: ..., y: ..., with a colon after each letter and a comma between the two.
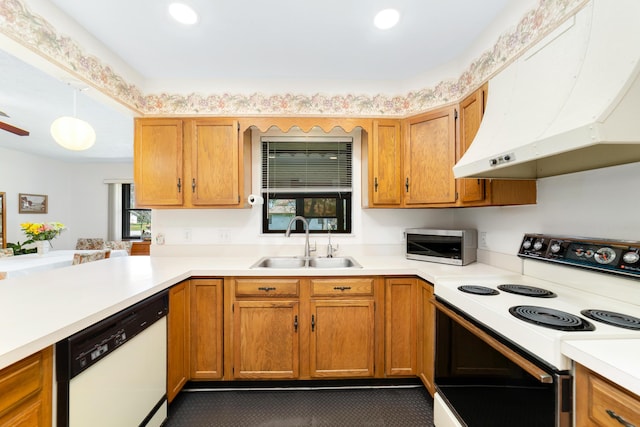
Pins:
x: 307, y: 249
x: 330, y: 249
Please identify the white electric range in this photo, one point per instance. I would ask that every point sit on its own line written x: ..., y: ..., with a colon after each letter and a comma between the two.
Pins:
x: 568, y: 276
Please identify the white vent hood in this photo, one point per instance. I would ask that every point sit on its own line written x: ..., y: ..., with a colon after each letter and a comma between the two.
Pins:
x: 570, y: 103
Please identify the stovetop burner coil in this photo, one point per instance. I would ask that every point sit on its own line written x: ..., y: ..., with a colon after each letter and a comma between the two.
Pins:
x: 551, y: 318
x: 529, y: 291
x: 478, y: 290
x: 612, y: 318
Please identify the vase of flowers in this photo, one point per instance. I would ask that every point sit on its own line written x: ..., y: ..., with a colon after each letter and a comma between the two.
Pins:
x: 42, y: 233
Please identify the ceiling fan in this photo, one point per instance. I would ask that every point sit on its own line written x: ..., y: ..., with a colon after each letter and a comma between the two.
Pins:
x: 10, y: 128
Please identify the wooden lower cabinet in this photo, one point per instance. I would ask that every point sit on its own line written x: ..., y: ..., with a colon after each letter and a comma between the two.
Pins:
x: 400, y: 326
x: 601, y: 403
x: 266, y: 339
x: 177, y: 339
x: 26, y: 391
x: 303, y: 328
x: 206, y: 328
x: 342, y: 338
x: 194, y: 333
x: 426, y: 335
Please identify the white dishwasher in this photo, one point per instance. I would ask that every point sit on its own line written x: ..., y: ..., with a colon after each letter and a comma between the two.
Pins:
x: 114, y: 373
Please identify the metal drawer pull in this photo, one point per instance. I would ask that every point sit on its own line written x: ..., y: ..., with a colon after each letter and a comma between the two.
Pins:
x: 342, y: 288
x: 295, y: 324
x: 619, y: 419
x: 266, y: 289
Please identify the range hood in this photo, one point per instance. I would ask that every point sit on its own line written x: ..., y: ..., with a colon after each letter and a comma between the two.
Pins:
x: 568, y: 104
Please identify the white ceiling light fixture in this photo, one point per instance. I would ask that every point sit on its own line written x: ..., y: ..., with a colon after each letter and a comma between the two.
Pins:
x: 386, y: 19
x: 72, y: 133
x: 183, y: 14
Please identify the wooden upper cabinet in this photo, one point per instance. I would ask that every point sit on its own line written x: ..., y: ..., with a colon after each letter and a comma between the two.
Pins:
x: 157, y: 162
x: 191, y: 163
x: 214, y: 162
x: 385, y: 180
x: 429, y: 158
x: 486, y: 192
x: 471, y: 112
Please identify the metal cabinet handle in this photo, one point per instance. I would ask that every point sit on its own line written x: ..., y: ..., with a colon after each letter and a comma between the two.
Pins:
x: 375, y: 184
x: 406, y: 184
x: 179, y: 185
x: 619, y: 419
x: 342, y: 288
x: 313, y: 323
x: 193, y: 185
x: 295, y: 323
x: 266, y: 289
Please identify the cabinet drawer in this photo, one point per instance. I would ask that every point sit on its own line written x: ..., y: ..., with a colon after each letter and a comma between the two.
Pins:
x: 337, y: 287
x: 602, y: 403
x: 267, y: 287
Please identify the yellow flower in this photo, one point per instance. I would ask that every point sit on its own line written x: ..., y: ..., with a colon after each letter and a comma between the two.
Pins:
x: 42, y: 231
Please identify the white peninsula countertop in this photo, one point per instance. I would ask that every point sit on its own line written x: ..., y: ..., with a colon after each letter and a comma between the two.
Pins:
x: 40, y: 309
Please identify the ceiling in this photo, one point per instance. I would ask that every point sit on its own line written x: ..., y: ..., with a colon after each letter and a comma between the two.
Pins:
x: 252, y: 43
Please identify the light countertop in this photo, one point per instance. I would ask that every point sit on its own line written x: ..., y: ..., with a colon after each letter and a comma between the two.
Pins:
x: 42, y: 308
x: 615, y: 359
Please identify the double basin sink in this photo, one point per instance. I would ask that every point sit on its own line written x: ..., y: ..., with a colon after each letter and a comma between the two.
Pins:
x: 300, y: 262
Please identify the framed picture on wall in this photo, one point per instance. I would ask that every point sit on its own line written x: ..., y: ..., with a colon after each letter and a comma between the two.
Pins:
x: 32, y: 203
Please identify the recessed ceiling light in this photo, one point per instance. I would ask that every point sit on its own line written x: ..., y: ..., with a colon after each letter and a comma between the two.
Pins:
x: 183, y: 13
x: 386, y: 19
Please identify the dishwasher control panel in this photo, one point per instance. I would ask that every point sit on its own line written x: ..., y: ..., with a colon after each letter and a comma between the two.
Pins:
x: 87, y: 347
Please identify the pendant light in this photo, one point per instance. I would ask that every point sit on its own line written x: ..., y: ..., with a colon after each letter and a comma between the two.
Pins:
x: 73, y: 133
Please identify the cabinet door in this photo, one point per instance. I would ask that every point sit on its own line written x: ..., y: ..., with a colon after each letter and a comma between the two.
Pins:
x: 157, y: 162
x: 214, y: 162
x: 177, y: 339
x: 429, y: 158
x: 342, y: 338
x: 206, y: 328
x: 401, y: 325
x: 471, y: 112
x: 426, y: 336
x: 385, y: 162
x: 266, y: 339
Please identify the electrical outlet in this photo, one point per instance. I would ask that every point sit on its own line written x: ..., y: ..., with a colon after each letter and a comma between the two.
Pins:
x: 483, y: 240
x: 224, y: 235
x: 186, y: 234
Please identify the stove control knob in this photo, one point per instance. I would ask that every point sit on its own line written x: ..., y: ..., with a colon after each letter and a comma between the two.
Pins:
x: 555, y: 247
x: 579, y: 251
x: 631, y: 257
x: 526, y: 244
x: 537, y: 245
x: 605, y: 256
x: 588, y: 253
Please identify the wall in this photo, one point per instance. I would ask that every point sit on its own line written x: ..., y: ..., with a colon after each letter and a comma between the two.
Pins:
x: 599, y: 203
x: 76, y: 191
x: 188, y: 232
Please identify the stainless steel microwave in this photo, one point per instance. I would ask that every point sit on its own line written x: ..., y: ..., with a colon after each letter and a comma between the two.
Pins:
x: 455, y: 247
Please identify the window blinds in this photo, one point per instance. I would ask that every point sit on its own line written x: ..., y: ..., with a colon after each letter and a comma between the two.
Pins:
x: 307, y: 165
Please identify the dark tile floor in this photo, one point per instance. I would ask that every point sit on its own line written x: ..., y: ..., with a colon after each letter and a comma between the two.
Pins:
x: 351, y: 407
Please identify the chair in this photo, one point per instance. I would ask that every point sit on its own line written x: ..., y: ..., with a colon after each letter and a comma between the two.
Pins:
x: 6, y: 252
x: 83, y: 258
x: 119, y: 245
x: 92, y: 243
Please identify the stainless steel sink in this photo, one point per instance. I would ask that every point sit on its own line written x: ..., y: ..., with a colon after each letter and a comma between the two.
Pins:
x: 299, y: 262
x: 335, y: 262
x: 279, y: 262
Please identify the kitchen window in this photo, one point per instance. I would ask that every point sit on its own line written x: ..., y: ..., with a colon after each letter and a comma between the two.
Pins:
x: 307, y: 176
x: 136, y: 223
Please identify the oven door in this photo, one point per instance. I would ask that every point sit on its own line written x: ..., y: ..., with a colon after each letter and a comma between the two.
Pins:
x: 484, y: 380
